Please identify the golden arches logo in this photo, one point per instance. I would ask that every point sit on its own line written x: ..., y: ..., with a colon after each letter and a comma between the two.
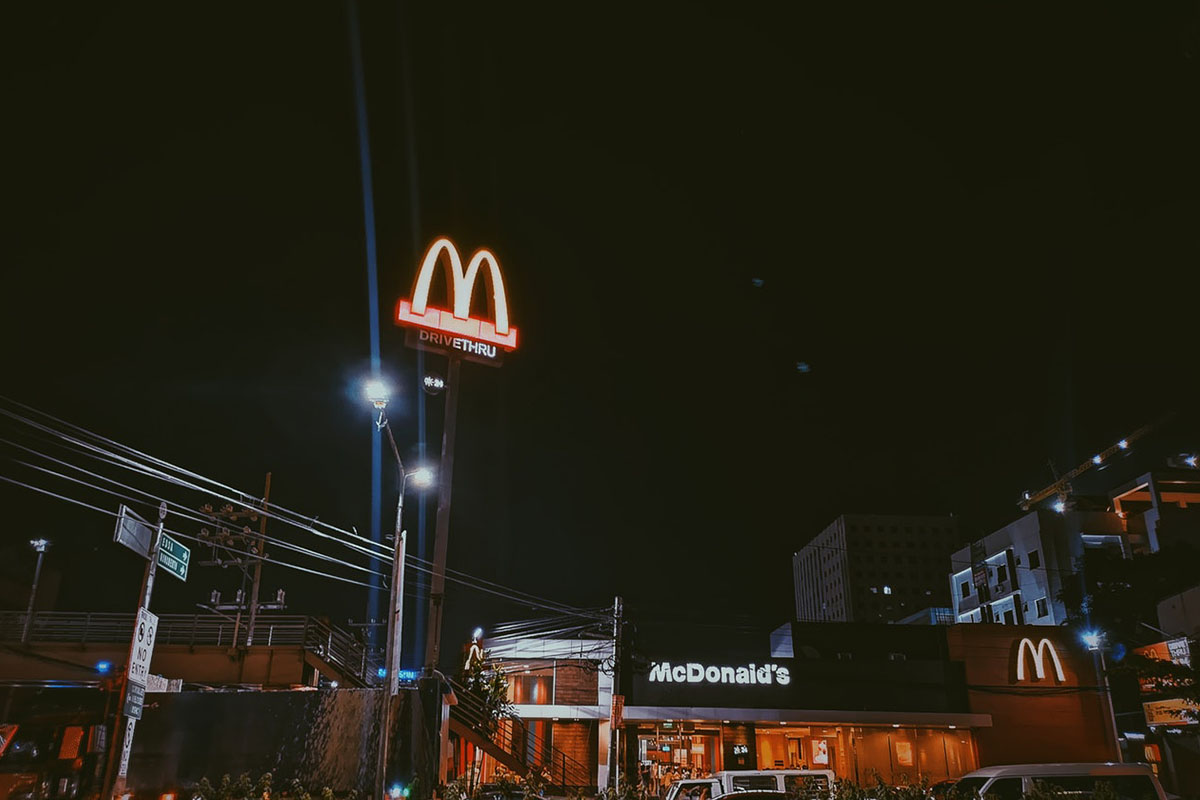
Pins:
x: 460, y: 287
x: 1044, y: 648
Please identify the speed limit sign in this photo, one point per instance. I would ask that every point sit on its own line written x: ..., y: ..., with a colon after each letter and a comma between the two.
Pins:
x: 141, y: 650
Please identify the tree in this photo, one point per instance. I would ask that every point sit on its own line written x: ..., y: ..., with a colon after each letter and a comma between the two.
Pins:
x: 490, y: 687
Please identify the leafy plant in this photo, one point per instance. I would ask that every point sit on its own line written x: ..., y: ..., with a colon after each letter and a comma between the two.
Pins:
x: 490, y: 687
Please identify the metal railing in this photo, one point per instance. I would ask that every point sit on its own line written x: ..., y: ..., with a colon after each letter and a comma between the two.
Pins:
x: 333, y: 645
x: 520, y: 740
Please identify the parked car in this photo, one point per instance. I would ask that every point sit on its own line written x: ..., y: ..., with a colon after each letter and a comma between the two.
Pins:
x: 1073, y: 781
x: 796, y: 782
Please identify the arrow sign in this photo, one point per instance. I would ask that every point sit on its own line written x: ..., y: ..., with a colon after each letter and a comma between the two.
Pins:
x: 173, y: 556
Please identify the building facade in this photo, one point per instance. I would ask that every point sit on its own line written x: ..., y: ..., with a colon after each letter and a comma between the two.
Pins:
x: 904, y: 703
x: 874, y: 568
x: 1159, y: 507
x: 561, y: 689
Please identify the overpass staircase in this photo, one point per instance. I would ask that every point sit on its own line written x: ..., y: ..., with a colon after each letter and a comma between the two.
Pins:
x: 515, y: 743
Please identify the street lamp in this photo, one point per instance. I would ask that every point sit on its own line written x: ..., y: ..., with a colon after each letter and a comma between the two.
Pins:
x: 422, y: 477
x: 377, y: 393
x: 39, y: 546
x: 1095, y: 642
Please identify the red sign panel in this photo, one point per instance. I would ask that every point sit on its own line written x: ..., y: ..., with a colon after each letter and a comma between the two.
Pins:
x: 456, y: 322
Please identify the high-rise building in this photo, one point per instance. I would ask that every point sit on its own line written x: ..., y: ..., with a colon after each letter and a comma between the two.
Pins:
x: 874, y: 568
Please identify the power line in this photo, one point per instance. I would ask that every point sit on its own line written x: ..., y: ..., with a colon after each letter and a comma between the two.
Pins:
x: 288, y: 565
x: 109, y: 513
x: 117, y: 460
x: 186, y: 514
x: 309, y: 522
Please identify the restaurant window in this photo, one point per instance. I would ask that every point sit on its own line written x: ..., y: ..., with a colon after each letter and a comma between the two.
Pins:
x: 531, y: 690
x: 1035, y: 559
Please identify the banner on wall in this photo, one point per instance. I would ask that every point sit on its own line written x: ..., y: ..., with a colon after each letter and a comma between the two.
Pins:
x: 820, y: 752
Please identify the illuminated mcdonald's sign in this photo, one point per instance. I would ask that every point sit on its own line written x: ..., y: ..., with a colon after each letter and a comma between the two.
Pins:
x: 454, y: 329
x: 1038, y: 654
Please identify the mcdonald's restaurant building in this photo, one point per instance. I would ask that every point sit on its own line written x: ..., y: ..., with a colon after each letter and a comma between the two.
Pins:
x: 901, y: 703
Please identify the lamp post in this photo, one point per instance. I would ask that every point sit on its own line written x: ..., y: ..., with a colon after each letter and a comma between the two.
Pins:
x: 1095, y: 642
x: 422, y: 477
x: 39, y: 546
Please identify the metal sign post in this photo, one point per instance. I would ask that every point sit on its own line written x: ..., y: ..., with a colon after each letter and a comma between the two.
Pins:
x: 141, y: 648
x: 460, y: 336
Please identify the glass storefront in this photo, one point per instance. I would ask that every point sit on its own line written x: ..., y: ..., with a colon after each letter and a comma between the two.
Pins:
x: 676, y: 751
x: 895, y: 755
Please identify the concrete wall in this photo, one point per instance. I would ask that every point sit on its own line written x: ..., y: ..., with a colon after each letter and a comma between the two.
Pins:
x: 325, y: 738
x: 322, y: 738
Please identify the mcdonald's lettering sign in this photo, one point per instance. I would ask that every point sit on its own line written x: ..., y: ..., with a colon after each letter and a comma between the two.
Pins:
x: 453, y: 330
x: 1044, y: 650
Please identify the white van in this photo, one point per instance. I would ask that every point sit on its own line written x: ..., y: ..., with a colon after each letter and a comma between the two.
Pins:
x: 800, y: 782
x: 1070, y: 781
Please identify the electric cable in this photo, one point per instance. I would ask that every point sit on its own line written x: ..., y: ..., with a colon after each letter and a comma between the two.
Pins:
x: 116, y: 459
x: 106, y: 512
x: 160, y: 462
x: 416, y: 567
x: 470, y: 580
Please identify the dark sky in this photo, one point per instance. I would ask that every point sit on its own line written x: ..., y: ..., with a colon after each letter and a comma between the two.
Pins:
x: 976, y: 222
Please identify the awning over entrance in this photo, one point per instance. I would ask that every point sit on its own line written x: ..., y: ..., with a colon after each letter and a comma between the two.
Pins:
x: 776, y: 716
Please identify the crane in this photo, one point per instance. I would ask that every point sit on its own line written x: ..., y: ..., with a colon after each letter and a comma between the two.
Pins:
x: 1062, y: 484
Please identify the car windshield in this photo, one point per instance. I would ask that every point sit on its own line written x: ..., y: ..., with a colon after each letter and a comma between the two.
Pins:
x: 968, y: 788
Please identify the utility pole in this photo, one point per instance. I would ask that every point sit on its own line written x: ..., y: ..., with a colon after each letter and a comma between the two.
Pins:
x: 222, y: 538
x: 40, y: 546
x: 395, y: 620
x: 437, y: 586
x: 613, y: 768
x: 258, y: 561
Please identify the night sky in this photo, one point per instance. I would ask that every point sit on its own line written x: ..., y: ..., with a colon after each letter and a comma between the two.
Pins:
x: 976, y: 223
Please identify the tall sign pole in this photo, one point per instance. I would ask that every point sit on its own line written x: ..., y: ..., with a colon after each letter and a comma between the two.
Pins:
x: 441, y: 535
x: 453, y: 332
x: 159, y: 549
x: 132, y: 691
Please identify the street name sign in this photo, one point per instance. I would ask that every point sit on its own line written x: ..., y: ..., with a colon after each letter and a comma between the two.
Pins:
x: 173, y: 556
x: 133, y: 531
x: 142, y: 648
